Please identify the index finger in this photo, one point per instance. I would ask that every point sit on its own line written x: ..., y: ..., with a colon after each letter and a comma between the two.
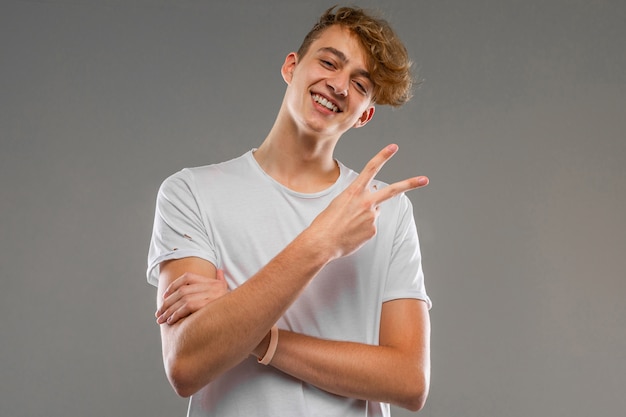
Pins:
x: 176, y: 284
x: 399, y: 187
x: 374, y: 165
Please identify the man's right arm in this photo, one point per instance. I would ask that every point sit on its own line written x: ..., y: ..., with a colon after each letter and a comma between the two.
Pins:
x: 220, y: 335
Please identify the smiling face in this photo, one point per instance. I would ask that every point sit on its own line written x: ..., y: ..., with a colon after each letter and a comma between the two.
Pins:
x: 329, y: 89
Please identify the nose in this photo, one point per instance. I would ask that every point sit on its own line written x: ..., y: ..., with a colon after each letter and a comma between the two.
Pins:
x: 339, y: 84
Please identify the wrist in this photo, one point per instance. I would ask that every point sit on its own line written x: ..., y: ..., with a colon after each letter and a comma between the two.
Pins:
x: 271, y: 349
x: 318, y: 251
x: 261, y: 348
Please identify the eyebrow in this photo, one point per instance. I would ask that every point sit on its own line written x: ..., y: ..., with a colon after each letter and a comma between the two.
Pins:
x: 343, y: 58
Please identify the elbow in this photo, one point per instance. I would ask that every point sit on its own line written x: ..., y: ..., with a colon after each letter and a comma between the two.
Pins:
x: 182, y: 389
x: 415, y: 403
x: 415, y: 393
x: 178, y: 378
x: 189, y: 370
x: 181, y: 378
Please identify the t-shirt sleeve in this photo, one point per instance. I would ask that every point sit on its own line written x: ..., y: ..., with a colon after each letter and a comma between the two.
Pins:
x: 179, y: 230
x: 406, y: 277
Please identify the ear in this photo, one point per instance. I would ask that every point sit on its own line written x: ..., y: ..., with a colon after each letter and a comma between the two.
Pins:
x: 365, y: 117
x: 289, y: 66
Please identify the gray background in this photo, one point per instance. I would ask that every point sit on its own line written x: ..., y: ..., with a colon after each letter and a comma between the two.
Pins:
x: 520, y: 125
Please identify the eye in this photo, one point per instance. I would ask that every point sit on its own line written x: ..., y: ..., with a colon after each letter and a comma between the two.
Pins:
x: 327, y: 64
x: 361, y: 87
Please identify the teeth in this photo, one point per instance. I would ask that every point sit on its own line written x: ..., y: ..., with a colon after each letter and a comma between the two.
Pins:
x: 321, y: 100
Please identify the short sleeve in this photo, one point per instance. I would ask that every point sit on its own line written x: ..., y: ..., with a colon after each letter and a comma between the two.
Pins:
x: 179, y: 230
x: 406, y: 277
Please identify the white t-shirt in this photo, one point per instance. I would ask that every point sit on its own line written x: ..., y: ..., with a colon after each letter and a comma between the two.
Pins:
x: 237, y: 217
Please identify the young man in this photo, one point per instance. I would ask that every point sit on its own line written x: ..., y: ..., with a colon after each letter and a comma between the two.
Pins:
x: 284, y: 256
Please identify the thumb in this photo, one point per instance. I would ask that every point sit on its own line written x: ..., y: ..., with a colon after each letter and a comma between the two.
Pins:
x: 219, y: 275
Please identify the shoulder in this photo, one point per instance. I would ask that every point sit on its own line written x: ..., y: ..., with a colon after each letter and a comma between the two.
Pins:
x: 188, y: 180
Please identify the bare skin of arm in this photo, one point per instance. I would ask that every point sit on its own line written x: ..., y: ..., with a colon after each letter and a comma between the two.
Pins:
x: 201, y: 346
x: 395, y: 371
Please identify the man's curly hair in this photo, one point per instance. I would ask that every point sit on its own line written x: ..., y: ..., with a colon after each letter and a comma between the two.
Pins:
x: 390, y: 66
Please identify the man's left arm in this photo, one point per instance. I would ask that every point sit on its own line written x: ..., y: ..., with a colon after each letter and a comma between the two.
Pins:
x: 396, y: 371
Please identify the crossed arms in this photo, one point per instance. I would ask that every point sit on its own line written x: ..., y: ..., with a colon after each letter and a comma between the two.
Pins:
x: 210, y: 329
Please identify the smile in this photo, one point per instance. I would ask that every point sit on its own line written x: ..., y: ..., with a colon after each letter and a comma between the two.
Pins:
x: 324, y: 102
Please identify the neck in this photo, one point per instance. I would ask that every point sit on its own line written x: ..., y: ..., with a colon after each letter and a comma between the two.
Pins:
x: 301, y: 162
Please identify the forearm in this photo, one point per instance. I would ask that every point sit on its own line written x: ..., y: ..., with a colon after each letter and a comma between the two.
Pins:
x: 355, y: 370
x: 224, y: 332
